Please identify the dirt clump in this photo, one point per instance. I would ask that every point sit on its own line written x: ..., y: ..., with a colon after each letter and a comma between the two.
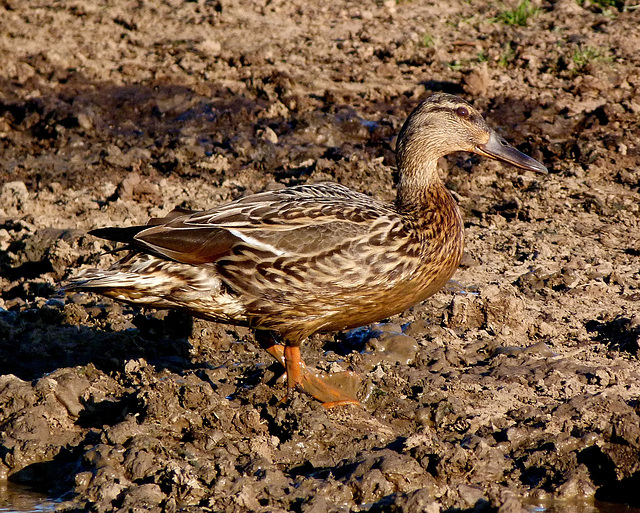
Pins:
x: 517, y: 383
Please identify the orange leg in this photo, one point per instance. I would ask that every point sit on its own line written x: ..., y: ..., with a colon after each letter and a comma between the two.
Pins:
x: 300, y: 377
x: 293, y: 365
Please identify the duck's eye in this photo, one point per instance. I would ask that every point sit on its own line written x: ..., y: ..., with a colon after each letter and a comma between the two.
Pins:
x: 463, y: 112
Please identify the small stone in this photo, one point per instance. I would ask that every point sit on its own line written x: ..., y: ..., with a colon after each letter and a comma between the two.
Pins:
x: 417, y: 328
x: 144, y: 495
x: 210, y: 47
x: 470, y: 495
x: 82, y: 480
x: 85, y: 121
x: 540, y: 349
x: 268, y: 135
x: 400, y: 348
x: 14, y: 197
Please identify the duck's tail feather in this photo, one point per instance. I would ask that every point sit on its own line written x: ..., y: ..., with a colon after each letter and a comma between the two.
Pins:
x: 97, y: 280
x: 118, y: 234
x: 127, y: 234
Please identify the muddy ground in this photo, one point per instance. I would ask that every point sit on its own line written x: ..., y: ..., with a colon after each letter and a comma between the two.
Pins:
x: 516, y: 385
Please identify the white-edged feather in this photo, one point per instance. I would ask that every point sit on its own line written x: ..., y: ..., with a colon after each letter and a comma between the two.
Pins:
x: 255, y: 243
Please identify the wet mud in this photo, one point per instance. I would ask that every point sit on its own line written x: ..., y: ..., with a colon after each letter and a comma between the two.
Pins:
x: 516, y: 385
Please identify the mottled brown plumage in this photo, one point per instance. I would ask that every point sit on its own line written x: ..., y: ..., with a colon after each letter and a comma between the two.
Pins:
x: 313, y: 257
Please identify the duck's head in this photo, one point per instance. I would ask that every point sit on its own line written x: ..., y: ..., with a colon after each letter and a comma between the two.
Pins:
x: 444, y: 124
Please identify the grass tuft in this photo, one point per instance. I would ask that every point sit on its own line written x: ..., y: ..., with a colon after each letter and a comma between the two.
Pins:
x: 427, y: 40
x: 518, y: 16
x: 508, y: 55
x: 583, y: 56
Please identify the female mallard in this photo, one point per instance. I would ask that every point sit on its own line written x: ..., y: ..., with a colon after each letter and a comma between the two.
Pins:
x: 315, y: 257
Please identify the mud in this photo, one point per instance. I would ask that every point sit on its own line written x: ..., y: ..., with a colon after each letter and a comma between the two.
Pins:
x: 516, y: 385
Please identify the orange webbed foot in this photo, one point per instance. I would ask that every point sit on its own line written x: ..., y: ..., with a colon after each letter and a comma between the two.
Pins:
x: 330, y: 390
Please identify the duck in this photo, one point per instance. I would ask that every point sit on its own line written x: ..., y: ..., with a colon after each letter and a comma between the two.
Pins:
x: 314, y: 257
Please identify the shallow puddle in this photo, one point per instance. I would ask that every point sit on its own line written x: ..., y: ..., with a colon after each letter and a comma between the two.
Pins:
x: 17, y: 498
x: 579, y: 507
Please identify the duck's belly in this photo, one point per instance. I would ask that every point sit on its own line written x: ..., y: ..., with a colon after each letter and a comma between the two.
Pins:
x: 336, y: 308
x: 384, y: 304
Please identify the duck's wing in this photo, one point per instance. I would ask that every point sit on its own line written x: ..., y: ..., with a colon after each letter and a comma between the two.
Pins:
x: 291, y: 223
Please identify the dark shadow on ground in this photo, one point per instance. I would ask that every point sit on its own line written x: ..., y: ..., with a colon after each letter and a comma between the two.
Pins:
x: 620, y: 334
x: 623, y: 491
x: 35, y: 342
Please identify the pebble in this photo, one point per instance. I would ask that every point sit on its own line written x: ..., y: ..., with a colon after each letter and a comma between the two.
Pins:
x: 14, y: 197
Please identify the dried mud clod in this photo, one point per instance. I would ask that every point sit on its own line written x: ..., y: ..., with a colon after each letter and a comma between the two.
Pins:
x: 517, y: 383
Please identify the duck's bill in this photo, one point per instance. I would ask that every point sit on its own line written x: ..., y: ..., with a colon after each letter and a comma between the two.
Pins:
x: 497, y: 148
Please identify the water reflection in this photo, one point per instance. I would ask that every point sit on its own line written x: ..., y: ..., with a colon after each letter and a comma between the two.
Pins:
x: 20, y: 499
x: 579, y: 507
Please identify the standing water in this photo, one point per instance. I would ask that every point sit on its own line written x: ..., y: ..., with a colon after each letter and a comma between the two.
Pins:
x: 20, y: 499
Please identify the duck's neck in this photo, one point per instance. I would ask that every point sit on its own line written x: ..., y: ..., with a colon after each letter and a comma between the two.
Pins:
x: 433, y: 215
x: 420, y: 188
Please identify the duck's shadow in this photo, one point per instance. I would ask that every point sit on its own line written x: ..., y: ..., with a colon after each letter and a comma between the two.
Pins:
x: 35, y: 342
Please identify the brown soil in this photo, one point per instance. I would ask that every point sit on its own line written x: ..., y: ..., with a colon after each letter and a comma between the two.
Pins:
x: 518, y: 383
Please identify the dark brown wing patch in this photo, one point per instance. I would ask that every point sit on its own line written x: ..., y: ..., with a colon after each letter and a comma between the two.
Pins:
x: 190, y: 245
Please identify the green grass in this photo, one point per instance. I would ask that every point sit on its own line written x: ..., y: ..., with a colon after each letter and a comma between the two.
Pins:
x: 427, y: 40
x: 583, y: 56
x: 461, y: 64
x: 508, y: 54
x: 519, y: 15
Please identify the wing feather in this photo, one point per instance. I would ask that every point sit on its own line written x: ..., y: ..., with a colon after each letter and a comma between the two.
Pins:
x: 293, y: 222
